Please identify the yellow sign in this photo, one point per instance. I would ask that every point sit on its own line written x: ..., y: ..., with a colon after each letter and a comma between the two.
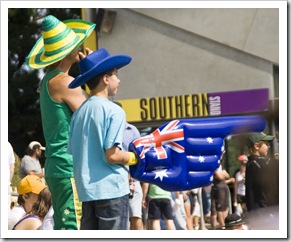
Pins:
x: 165, y: 108
x: 196, y: 105
x: 91, y: 41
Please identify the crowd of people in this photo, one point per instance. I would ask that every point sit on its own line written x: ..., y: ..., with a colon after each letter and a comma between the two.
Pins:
x: 153, y: 208
x: 85, y: 183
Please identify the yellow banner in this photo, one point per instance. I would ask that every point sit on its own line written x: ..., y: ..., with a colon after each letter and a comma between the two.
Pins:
x: 91, y: 41
x: 165, y: 108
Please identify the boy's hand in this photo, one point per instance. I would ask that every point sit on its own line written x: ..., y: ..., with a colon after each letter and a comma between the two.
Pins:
x: 132, y: 159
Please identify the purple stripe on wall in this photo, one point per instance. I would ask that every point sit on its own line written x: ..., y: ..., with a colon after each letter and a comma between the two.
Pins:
x: 254, y: 100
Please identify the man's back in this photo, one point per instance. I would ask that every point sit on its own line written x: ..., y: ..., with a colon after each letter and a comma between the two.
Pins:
x: 56, y: 117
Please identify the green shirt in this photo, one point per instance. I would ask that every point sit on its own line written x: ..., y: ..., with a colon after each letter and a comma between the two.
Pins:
x: 56, y: 117
x: 155, y: 192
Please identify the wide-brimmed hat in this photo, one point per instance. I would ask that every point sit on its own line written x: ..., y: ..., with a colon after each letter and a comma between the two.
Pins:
x: 30, y: 183
x: 96, y: 63
x: 58, y: 40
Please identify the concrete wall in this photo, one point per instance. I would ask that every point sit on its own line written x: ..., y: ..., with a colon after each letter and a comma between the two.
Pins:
x: 186, y: 51
x: 255, y: 31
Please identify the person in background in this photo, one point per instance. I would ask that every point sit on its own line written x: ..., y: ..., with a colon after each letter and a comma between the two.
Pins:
x: 239, y: 201
x: 135, y: 197
x: 95, y: 142
x: 179, y: 211
x: 135, y: 201
x: 220, y: 196
x: 159, y: 206
x: 30, y: 164
x: 206, y: 202
x: 11, y: 165
x: 31, y: 190
x: 187, y: 208
x: 196, y: 213
x: 57, y: 50
x: 33, y: 219
x: 234, y: 222
x: 262, y: 174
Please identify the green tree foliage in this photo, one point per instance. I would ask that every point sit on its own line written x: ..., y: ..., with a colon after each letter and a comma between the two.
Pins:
x: 16, y: 177
x: 233, y: 150
x: 24, y: 29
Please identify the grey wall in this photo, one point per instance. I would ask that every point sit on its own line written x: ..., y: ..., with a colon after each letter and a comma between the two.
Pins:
x: 255, y: 31
x: 186, y: 51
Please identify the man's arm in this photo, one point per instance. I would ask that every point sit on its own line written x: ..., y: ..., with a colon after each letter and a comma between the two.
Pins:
x: 145, y: 188
x: 40, y: 175
x: 59, y: 91
x: 74, y: 97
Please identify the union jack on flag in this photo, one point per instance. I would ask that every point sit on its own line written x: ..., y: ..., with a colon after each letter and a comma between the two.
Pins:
x: 162, y: 136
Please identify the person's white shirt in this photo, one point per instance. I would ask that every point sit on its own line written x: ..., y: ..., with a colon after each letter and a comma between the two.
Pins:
x: 241, y: 188
x: 11, y: 164
x: 14, y: 215
x: 11, y: 161
x: 17, y: 212
x: 48, y: 221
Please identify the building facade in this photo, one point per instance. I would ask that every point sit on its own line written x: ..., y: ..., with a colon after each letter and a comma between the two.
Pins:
x: 193, y: 62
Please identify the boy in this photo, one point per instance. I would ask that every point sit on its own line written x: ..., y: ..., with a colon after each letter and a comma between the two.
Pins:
x: 262, y: 174
x: 95, y: 142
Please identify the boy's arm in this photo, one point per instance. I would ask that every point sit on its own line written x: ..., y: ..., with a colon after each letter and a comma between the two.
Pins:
x: 115, y: 155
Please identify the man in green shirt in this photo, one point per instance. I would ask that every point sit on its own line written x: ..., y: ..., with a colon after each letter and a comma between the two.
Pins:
x: 159, y: 206
x: 58, y: 49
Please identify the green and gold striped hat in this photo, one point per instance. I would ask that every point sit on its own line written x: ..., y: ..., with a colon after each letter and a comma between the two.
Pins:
x: 58, y: 40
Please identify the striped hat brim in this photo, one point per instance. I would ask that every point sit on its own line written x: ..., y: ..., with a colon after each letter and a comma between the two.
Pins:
x: 38, y: 58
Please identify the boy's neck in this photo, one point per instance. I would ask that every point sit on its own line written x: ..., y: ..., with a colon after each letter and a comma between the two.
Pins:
x: 99, y: 92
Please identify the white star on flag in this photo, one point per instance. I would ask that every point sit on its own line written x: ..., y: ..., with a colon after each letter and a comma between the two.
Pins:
x: 161, y: 174
x: 201, y: 159
x: 209, y: 140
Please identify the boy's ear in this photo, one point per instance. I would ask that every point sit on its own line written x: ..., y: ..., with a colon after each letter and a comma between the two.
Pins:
x: 256, y: 146
x: 105, y: 79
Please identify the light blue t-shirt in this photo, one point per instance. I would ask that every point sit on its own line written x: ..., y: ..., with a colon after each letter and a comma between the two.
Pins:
x: 95, y: 127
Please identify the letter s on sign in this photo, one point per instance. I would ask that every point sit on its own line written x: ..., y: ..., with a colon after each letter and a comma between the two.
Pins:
x: 143, y: 107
